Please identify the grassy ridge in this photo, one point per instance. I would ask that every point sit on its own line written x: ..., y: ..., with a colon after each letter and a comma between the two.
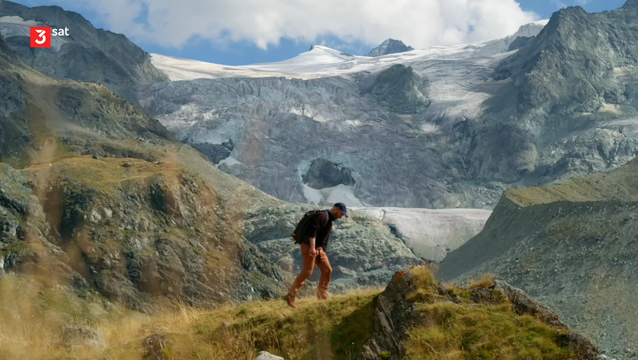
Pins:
x: 320, y: 330
x: 479, y: 324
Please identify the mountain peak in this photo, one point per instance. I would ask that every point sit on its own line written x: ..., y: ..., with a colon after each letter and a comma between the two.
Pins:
x: 631, y: 4
x: 389, y: 46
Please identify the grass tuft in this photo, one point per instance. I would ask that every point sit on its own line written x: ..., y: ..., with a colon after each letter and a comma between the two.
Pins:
x: 486, y: 281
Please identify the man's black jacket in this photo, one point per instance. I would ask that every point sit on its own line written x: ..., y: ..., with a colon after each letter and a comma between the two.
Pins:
x: 320, y: 228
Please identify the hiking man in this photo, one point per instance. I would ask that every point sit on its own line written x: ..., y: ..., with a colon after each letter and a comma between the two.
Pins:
x: 314, y: 244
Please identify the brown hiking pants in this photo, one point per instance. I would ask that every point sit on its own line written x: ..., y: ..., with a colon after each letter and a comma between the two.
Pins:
x: 322, y: 262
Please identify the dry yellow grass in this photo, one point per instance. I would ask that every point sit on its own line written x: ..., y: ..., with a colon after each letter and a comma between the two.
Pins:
x: 619, y: 184
x: 486, y: 280
x: 33, y: 312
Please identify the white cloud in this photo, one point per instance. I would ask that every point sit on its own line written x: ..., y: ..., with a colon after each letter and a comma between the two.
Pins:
x: 419, y: 23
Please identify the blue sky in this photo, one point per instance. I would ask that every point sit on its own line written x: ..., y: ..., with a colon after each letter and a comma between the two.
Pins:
x: 277, y: 33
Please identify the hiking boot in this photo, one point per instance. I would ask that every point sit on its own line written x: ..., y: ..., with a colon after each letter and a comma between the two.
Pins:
x: 290, y: 301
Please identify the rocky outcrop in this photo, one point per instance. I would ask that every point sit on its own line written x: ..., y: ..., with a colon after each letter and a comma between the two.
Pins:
x: 520, y: 42
x: 400, y: 89
x: 140, y: 231
x: 155, y: 345
x: 323, y: 174
x: 571, y: 246
x: 75, y: 337
x: 397, y: 312
x: 24, y: 242
x: 390, y: 46
x: 87, y: 54
x: 215, y: 152
x: 394, y: 316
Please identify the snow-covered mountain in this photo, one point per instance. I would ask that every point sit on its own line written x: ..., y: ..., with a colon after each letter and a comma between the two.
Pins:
x: 444, y: 127
x: 281, y: 117
x: 321, y: 61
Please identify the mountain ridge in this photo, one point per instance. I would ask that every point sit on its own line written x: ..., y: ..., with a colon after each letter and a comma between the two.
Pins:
x: 87, y: 54
x: 571, y: 246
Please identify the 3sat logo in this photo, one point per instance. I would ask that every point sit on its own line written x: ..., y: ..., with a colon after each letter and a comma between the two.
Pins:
x: 41, y: 36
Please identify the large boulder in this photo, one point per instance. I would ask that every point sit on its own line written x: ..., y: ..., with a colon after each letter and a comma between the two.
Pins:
x: 74, y: 337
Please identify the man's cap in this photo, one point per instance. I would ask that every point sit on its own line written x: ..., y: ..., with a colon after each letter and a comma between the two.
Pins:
x: 342, y: 207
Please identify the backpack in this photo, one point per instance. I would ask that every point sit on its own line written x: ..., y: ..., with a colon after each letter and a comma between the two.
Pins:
x: 302, y: 226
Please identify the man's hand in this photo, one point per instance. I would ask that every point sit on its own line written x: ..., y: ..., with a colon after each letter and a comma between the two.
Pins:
x: 312, y: 252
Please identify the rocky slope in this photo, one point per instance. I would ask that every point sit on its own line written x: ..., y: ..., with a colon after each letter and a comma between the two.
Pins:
x: 467, y: 122
x: 571, y: 93
x: 87, y: 54
x: 572, y: 246
x: 131, y: 228
x: 413, y: 300
x: 390, y: 46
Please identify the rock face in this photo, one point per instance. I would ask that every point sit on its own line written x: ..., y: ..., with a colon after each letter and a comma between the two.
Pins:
x: 400, y: 89
x: 172, y: 238
x: 294, y: 123
x: 17, y: 203
x: 520, y: 42
x: 389, y: 46
x: 87, y: 54
x: 570, y: 85
x: 215, y: 152
x: 571, y: 246
x: 323, y: 174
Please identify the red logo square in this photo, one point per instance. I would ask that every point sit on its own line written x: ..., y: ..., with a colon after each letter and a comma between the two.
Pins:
x: 41, y: 37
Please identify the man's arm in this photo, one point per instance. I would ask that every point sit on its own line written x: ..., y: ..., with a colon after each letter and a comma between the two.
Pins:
x: 318, y: 222
x: 312, y: 251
